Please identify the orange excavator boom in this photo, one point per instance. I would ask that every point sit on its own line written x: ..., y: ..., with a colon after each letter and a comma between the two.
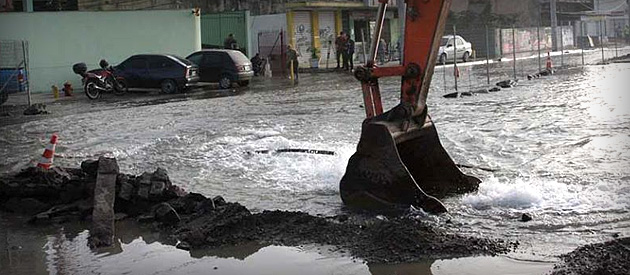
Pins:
x: 400, y: 161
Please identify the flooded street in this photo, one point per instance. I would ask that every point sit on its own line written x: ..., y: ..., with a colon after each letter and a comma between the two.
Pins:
x: 560, y: 146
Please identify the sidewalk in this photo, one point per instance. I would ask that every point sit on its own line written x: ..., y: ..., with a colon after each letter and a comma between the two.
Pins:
x: 21, y: 98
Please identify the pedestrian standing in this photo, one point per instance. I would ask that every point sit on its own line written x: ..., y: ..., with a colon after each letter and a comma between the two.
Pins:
x: 292, y: 61
x: 340, y: 45
x: 350, y: 53
x: 382, y: 49
x: 257, y: 63
x: 230, y: 42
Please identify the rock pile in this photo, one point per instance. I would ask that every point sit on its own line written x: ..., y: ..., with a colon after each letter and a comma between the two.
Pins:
x: 194, y: 221
x: 610, y: 258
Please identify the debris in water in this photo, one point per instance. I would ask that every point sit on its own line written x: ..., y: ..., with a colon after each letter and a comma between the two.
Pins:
x: 194, y: 220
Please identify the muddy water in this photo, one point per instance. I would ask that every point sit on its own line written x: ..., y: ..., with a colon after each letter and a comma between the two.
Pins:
x: 560, y: 147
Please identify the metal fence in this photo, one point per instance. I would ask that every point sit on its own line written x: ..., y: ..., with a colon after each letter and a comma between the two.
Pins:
x: 14, y: 72
x: 271, y: 47
x: 508, y: 53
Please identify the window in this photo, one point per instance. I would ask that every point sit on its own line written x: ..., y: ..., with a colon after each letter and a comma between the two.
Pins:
x: 196, y: 58
x: 138, y: 63
x: 160, y: 62
x: 460, y: 42
x: 214, y: 59
x: 124, y: 64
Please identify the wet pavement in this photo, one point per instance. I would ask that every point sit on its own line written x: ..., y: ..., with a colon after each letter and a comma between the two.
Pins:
x: 559, y: 144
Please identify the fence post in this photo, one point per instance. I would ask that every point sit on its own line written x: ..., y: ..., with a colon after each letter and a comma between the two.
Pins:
x: 455, y: 74
x: 561, y: 46
x: 487, y: 56
x: 26, y: 75
x: 282, y: 53
x: 514, y: 51
x: 582, y: 40
x: 363, y: 46
x: 538, y: 40
x: 444, y: 74
x: 601, y: 39
x: 616, y: 38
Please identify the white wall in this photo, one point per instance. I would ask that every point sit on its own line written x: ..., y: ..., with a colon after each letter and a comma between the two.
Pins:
x: 266, y: 23
x: 59, y: 39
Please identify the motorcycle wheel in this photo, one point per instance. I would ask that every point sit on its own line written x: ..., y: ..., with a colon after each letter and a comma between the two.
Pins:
x: 122, y: 88
x: 91, y: 89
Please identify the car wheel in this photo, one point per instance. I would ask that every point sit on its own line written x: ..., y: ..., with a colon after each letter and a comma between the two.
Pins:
x: 243, y: 83
x: 122, y: 88
x: 442, y: 58
x: 466, y: 56
x: 169, y: 86
x: 225, y: 82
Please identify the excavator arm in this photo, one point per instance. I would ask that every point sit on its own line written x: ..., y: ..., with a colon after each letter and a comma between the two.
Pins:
x: 400, y: 161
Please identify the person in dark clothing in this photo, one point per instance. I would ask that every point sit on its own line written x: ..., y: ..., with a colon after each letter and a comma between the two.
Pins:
x: 292, y: 61
x: 230, y: 42
x: 350, y: 54
x: 257, y: 64
x: 340, y: 46
x: 382, y: 50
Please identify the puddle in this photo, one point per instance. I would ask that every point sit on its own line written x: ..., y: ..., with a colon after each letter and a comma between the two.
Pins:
x: 64, y: 250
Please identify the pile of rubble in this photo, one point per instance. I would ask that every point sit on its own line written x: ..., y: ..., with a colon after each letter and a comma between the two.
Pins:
x: 193, y: 221
x: 610, y: 258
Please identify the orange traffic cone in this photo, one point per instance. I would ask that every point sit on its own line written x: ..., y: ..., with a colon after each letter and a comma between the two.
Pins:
x: 47, y: 158
x: 549, y: 66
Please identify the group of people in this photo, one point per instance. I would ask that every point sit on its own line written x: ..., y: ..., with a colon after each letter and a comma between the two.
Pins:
x: 344, y: 49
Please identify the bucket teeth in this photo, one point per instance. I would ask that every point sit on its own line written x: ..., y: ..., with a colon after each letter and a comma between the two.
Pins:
x: 395, y: 167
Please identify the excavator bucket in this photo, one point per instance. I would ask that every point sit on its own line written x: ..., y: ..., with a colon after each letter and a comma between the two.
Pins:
x: 399, y: 160
x: 395, y: 167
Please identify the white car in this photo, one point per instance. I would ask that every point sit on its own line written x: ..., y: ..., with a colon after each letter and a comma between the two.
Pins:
x: 447, y: 47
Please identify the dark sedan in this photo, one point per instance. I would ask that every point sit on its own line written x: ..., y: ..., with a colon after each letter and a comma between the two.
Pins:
x: 165, y: 71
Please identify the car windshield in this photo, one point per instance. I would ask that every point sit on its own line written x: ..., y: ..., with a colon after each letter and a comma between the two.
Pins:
x: 443, y: 41
x: 238, y: 57
x: 185, y: 61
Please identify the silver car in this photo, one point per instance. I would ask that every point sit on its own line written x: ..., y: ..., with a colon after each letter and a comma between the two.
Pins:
x: 447, y: 49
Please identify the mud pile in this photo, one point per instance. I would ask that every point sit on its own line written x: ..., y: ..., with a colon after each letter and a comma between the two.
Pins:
x: 621, y: 59
x: 610, y: 258
x: 195, y: 221
x: 214, y: 222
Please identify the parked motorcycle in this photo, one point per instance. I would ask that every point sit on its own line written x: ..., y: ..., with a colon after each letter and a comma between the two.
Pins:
x: 100, y: 81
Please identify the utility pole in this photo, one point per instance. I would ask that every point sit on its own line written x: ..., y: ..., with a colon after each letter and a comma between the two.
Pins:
x: 554, y: 25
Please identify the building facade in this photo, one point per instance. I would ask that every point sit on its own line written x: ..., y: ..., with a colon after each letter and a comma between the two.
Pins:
x: 608, y: 19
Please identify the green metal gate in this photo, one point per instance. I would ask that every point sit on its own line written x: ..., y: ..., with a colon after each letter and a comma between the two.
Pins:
x: 217, y: 26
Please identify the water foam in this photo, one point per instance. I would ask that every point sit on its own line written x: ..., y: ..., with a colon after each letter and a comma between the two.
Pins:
x: 549, y: 195
x: 294, y: 172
